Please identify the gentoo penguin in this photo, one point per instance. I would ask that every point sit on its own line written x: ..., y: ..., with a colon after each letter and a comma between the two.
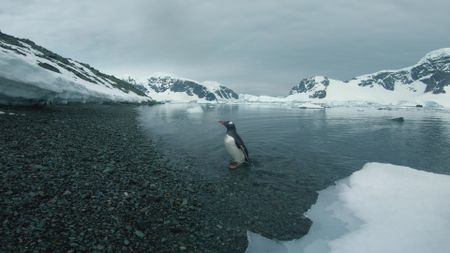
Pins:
x: 234, y: 145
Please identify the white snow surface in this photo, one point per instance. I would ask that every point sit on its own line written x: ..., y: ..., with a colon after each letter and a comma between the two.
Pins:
x: 380, y: 208
x: 21, y: 78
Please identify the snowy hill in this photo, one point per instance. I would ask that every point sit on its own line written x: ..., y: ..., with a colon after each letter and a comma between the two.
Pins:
x: 31, y: 74
x: 166, y: 88
x: 426, y: 82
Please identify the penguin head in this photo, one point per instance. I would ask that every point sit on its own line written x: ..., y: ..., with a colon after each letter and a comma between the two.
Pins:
x: 228, y: 124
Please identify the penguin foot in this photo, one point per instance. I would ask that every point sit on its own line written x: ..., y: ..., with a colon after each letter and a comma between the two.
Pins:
x: 233, y: 165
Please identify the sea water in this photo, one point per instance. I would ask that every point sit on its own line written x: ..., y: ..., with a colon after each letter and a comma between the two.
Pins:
x: 293, y: 149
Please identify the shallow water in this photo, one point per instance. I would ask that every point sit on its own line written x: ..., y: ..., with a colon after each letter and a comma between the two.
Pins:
x: 296, y: 152
x: 292, y: 145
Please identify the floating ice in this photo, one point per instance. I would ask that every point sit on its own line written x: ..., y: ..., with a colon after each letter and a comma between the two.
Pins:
x: 380, y: 208
x: 194, y: 109
x: 309, y: 106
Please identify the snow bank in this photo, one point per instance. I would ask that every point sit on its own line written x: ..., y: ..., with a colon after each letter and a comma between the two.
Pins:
x: 23, y: 80
x: 380, y: 208
x: 308, y: 105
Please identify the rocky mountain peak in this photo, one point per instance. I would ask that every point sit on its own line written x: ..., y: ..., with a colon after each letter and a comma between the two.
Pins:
x: 315, y: 85
x: 438, y: 55
x: 170, y: 88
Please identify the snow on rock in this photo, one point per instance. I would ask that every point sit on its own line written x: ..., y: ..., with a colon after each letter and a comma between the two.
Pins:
x: 380, y: 208
x: 31, y: 74
x: 168, y: 88
x: 435, y: 55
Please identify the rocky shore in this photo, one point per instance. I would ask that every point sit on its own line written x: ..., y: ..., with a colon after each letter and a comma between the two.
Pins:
x: 85, y: 179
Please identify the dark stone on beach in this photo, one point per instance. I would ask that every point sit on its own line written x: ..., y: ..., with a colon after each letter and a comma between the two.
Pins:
x: 55, y: 195
x: 86, y: 178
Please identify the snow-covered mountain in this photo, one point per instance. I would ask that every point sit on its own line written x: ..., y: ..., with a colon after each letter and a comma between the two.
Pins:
x: 425, y: 82
x: 167, y: 88
x: 31, y: 74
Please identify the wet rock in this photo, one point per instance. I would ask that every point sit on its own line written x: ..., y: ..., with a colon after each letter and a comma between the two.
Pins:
x: 399, y: 119
x: 139, y: 233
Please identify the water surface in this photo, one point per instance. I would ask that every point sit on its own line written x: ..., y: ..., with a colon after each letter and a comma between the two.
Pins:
x: 296, y: 152
x: 295, y: 144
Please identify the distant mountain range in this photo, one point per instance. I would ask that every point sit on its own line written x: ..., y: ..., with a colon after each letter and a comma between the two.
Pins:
x: 31, y: 74
x: 428, y: 80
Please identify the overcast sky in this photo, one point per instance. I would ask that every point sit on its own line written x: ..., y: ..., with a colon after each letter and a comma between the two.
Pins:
x: 258, y: 47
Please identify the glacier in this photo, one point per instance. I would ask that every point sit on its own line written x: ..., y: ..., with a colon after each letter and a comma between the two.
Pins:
x: 380, y: 208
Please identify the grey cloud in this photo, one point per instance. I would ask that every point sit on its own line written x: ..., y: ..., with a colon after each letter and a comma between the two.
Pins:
x: 261, y: 47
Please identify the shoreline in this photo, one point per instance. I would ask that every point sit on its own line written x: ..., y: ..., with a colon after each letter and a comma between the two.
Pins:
x: 86, y: 178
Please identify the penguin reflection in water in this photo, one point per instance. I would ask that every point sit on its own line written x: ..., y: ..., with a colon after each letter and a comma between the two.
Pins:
x: 234, y: 145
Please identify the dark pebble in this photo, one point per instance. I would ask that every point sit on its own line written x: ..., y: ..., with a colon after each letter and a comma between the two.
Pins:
x: 86, y: 178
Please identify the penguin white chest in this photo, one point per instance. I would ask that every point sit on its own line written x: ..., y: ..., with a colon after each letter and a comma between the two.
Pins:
x: 236, y: 154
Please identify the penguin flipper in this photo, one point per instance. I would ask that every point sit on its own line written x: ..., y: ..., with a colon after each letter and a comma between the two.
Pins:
x: 240, y: 144
x: 244, y: 150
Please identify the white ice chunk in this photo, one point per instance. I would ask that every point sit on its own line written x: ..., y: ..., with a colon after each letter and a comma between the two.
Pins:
x: 380, y: 208
x: 194, y: 109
